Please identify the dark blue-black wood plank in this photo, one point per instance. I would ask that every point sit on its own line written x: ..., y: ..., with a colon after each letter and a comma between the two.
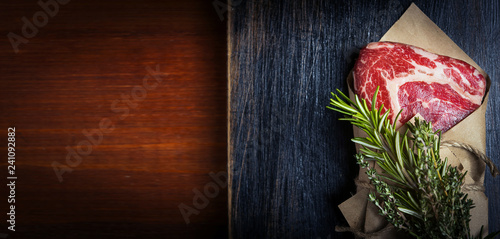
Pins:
x: 291, y: 159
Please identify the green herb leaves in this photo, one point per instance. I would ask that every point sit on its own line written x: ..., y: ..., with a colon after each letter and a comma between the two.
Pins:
x: 416, y: 190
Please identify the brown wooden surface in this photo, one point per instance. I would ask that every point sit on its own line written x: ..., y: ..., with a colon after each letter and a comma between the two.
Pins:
x: 65, y: 80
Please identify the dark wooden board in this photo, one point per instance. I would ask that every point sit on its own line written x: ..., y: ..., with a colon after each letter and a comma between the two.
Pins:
x: 65, y: 80
x: 290, y: 158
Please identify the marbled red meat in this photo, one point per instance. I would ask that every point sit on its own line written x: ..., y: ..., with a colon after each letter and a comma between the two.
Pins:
x: 443, y: 90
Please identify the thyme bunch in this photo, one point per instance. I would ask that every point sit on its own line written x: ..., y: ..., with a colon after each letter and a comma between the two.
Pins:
x: 416, y: 191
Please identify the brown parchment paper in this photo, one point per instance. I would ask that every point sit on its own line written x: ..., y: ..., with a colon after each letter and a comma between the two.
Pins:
x: 415, y: 28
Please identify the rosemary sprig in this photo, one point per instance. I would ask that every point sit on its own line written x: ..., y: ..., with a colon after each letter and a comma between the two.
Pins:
x: 417, y: 191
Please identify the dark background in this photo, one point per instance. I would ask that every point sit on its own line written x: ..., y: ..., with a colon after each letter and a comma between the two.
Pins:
x: 291, y: 158
x: 292, y: 161
x: 65, y: 80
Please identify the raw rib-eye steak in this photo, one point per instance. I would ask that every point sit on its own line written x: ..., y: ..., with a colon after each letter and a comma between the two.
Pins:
x: 443, y: 90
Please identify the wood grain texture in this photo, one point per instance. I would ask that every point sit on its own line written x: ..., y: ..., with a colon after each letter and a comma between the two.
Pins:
x: 65, y: 80
x: 290, y: 159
